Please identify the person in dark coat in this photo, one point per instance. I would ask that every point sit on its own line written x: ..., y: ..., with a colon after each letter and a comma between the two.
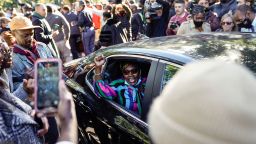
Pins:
x: 105, y: 38
x: 157, y: 25
x: 122, y: 16
x: 44, y: 33
x: 72, y: 19
x: 87, y: 27
x: 138, y: 23
x: 117, y: 29
x: 58, y: 22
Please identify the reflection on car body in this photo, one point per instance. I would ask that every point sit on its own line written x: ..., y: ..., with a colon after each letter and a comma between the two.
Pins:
x: 113, y: 123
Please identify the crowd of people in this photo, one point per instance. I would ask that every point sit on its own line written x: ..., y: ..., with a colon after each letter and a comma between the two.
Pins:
x: 18, y: 121
x: 78, y: 29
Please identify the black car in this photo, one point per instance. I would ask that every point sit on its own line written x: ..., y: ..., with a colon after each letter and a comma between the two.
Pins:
x: 103, y: 121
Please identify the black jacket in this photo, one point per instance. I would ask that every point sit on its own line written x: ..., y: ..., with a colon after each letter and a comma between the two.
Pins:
x: 116, y: 30
x: 138, y: 25
x: 43, y: 34
x: 85, y: 19
x: 107, y: 34
x: 157, y: 28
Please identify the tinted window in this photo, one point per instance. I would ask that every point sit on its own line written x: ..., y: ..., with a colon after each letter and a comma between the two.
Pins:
x: 169, y: 72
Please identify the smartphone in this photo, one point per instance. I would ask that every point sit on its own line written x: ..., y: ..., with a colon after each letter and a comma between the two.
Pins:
x: 55, y: 27
x: 173, y: 26
x: 47, y: 76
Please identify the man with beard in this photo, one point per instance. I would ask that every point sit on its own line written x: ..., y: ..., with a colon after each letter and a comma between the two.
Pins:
x: 26, y: 52
x: 209, y: 15
x: 245, y: 18
x: 197, y: 24
x: 17, y: 118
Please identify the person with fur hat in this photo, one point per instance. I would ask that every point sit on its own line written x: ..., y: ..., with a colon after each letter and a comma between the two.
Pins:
x: 207, y: 102
x: 197, y: 23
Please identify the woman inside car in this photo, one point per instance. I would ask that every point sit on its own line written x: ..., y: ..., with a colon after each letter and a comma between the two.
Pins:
x: 128, y: 91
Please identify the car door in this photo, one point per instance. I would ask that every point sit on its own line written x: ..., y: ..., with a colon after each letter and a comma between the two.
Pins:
x: 125, y: 126
x: 165, y: 70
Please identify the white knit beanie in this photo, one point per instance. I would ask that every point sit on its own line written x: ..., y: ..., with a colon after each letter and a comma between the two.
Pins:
x: 206, y: 103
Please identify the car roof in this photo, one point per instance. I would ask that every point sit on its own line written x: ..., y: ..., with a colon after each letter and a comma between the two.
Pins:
x: 190, y: 47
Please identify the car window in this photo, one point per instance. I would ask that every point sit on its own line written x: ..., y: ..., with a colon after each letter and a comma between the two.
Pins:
x: 113, y: 74
x: 169, y: 72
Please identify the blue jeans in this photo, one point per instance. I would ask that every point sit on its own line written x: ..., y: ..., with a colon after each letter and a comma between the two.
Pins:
x: 88, y: 38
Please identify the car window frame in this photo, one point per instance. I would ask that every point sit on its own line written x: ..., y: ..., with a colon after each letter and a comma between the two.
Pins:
x: 158, y: 79
x: 123, y: 110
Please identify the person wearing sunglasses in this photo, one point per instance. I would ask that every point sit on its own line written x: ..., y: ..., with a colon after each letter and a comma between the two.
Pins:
x: 227, y: 23
x: 128, y: 91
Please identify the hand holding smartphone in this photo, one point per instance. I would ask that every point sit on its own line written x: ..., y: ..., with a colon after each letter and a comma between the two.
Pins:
x: 47, y: 76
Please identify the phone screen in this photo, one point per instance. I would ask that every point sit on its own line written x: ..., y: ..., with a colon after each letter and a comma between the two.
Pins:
x: 48, y: 84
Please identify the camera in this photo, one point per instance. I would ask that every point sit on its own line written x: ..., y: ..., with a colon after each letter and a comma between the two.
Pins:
x: 150, y: 15
x: 151, y: 11
x: 174, y: 25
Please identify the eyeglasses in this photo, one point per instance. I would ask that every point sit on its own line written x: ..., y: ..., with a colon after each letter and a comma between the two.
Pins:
x: 132, y: 71
x: 226, y: 23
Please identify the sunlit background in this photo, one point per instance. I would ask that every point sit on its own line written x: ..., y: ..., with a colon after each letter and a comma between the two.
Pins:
x: 4, y: 4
